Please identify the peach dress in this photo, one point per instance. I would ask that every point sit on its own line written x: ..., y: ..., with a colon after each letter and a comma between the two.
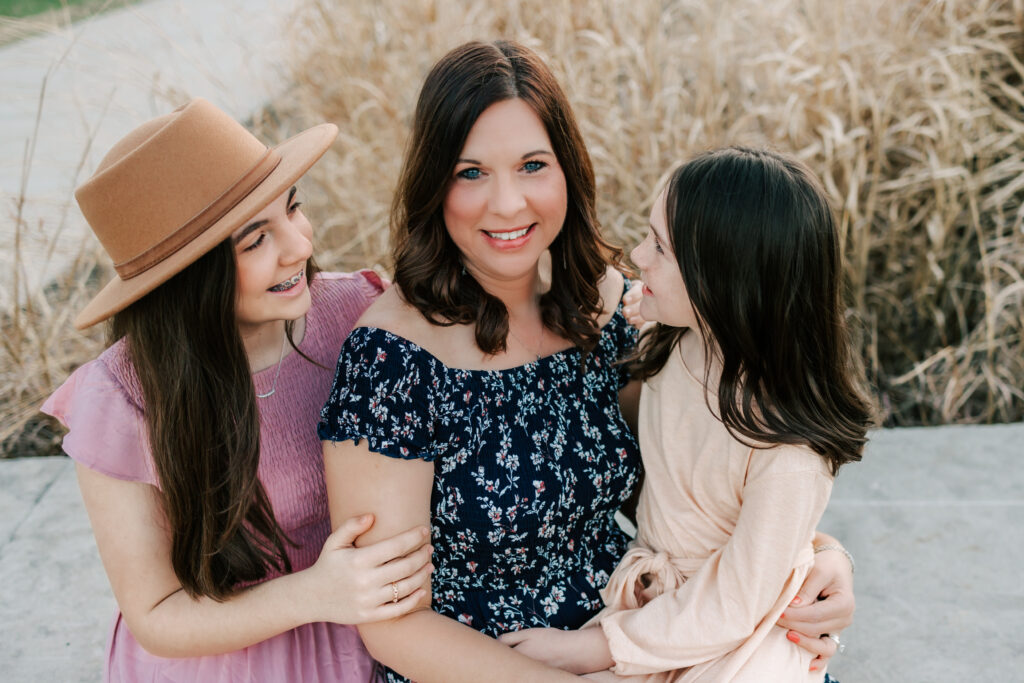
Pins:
x: 723, y: 545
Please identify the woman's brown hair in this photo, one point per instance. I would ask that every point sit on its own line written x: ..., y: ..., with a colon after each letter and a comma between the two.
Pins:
x: 759, y: 252
x: 428, y: 268
x: 204, y: 432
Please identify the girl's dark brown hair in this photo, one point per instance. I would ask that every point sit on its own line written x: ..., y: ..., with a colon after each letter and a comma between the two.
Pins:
x: 428, y: 268
x: 204, y: 432
x: 759, y: 252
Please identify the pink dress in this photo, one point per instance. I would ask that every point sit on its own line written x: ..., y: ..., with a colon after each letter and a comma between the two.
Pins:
x: 101, y: 406
x: 723, y: 545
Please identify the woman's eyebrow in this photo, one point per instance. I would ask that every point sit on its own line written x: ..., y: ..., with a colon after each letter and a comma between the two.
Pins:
x: 535, y: 152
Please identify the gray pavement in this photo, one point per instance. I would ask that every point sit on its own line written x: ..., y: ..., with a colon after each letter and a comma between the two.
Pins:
x: 935, y: 518
x: 69, y: 94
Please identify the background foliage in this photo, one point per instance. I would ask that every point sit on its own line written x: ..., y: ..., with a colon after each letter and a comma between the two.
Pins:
x: 911, y: 112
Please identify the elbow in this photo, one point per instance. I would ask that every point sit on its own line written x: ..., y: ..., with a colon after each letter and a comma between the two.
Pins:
x: 153, y: 634
x: 383, y: 638
x: 150, y: 638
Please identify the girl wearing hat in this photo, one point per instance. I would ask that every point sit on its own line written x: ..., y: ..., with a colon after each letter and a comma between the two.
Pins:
x: 472, y: 396
x: 194, y: 433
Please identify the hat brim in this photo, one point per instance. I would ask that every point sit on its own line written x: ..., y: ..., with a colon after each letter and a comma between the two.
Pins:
x: 298, y: 154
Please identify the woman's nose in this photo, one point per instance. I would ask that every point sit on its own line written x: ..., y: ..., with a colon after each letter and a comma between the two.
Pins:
x: 507, y: 198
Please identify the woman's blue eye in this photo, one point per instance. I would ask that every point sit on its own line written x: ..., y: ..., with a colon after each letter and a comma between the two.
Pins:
x: 469, y: 173
x: 533, y: 166
x: 294, y: 207
x: 657, y: 246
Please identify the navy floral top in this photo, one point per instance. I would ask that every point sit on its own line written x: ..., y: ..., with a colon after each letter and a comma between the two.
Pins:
x: 530, y: 465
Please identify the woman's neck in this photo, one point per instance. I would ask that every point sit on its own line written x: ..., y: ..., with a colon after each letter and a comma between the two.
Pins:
x: 520, y: 295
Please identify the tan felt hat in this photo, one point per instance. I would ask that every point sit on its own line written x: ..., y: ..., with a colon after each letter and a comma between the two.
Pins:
x: 177, y: 186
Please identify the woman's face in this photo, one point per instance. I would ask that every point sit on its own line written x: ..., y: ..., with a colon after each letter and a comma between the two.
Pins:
x: 665, y: 298
x: 271, y: 252
x: 507, y: 201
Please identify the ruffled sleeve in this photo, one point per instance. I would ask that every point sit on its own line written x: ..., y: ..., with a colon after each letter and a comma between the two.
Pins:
x: 384, y: 392
x: 107, y: 431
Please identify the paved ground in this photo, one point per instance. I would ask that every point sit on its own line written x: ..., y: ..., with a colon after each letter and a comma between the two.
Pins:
x: 90, y: 84
x: 935, y: 518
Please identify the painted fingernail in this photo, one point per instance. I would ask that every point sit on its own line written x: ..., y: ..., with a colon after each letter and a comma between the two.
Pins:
x: 792, y: 636
x: 814, y: 668
x: 796, y: 601
x: 782, y: 616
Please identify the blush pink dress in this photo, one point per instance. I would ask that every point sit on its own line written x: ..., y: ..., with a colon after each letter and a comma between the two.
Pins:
x: 101, y: 405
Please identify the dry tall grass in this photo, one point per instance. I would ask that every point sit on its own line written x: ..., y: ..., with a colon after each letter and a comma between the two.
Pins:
x: 912, y: 113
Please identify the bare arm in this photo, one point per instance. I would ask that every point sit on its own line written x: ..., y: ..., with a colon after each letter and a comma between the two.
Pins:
x: 345, y: 585
x: 397, y: 493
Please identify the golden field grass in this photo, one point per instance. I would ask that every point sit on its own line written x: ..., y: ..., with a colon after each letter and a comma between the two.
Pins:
x: 911, y: 112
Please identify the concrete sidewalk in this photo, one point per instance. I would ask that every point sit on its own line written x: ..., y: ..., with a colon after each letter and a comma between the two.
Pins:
x: 935, y: 518
x: 70, y: 94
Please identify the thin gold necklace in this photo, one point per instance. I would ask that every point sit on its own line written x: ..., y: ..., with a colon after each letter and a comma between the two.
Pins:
x: 540, y: 344
x: 277, y: 374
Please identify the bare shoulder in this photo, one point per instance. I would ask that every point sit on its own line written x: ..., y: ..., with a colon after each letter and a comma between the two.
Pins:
x: 611, y: 287
x: 394, y: 314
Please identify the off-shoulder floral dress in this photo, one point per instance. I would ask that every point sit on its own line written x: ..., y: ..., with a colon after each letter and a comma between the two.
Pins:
x: 530, y: 465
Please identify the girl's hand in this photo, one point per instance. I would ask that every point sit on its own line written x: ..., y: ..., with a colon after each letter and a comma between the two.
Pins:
x: 631, y: 304
x: 824, y: 605
x: 578, y: 652
x: 350, y: 585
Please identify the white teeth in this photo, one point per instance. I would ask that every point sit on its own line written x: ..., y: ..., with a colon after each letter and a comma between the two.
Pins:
x: 515, y: 234
x: 289, y: 283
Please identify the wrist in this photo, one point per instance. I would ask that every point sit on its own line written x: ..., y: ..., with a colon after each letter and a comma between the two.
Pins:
x: 839, y: 549
x: 596, y: 645
x: 298, y: 597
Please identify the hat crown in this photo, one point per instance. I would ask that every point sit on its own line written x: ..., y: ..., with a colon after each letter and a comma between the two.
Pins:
x: 165, y: 173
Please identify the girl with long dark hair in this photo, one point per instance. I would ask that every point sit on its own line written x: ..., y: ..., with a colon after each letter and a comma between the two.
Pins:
x: 751, y: 403
x: 194, y: 432
x: 482, y: 397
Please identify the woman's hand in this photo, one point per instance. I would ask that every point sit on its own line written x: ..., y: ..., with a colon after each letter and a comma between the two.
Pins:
x: 631, y: 304
x: 824, y: 605
x: 384, y: 580
x: 578, y: 652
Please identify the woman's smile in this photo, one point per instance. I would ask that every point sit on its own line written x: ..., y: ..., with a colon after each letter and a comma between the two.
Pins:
x: 510, y: 239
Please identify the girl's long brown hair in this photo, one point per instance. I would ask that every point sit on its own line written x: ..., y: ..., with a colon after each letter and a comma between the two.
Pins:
x: 428, y: 268
x: 759, y: 252
x: 200, y: 410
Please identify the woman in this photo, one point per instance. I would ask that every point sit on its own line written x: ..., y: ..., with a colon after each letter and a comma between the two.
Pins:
x: 495, y: 400
x: 193, y: 434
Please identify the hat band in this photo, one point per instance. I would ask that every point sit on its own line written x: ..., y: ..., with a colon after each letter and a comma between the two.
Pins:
x: 217, y: 209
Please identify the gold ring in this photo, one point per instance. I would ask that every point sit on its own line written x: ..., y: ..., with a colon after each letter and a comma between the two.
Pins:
x: 394, y: 592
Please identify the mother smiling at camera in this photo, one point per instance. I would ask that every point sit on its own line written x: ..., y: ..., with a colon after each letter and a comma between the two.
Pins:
x: 472, y: 396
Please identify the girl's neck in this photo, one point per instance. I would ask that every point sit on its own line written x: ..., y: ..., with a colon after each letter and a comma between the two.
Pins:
x: 266, y: 345
x: 695, y: 358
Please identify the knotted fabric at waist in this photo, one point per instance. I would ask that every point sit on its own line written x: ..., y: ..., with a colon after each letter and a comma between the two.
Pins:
x: 643, y: 574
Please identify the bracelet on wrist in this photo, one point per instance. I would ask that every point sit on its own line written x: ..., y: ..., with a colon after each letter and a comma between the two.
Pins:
x: 839, y: 548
